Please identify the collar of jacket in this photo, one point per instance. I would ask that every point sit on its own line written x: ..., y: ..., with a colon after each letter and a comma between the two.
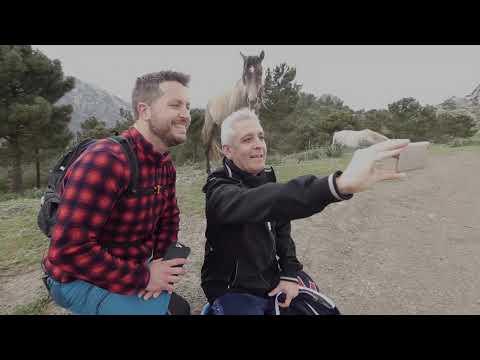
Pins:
x: 267, y: 175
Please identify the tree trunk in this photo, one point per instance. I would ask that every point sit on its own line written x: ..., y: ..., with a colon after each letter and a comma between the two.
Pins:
x: 17, y: 183
x: 37, y: 163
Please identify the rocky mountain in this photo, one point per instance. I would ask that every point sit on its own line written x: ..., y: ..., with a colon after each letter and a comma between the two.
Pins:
x: 474, y: 97
x: 89, y: 100
x: 469, y: 104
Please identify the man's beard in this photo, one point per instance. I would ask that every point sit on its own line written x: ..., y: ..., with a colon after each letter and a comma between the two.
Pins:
x: 165, y: 137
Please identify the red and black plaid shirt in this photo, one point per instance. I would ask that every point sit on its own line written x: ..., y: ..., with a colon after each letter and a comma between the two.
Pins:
x: 103, y: 237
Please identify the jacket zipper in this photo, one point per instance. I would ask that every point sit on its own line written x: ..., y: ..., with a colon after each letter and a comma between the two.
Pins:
x: 230, y: 284
x: 268, y: 224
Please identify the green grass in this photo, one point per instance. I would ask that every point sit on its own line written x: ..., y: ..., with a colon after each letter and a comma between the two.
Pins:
x: 441, y: 149
x: 21, y: 242
x: 320, y: 167
x: 32, y: 193
x: 38, y: 307
x: 191, y: 199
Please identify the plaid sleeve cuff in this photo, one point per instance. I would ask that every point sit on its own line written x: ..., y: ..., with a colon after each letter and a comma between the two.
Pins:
x: 332, y: 184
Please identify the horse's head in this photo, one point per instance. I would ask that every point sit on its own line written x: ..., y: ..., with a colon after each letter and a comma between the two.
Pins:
x: 253, y: 78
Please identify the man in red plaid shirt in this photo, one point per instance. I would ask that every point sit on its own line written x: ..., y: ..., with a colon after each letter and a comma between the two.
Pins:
x: 106, y: 249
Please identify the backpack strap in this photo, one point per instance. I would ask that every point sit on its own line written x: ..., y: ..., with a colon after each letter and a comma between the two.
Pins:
x: 132, y: 161
x: 58, y: 172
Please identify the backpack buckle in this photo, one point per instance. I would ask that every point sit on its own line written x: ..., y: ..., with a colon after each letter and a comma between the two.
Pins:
x: 156, y: 189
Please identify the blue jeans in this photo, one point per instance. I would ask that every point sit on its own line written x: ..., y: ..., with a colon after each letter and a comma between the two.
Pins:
x: 242, y: 304
x: 83, y: 298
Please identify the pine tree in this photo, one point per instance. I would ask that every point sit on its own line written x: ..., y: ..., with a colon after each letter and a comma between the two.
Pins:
x: 281, y: 95
x: 30, y: 83
x: 93, y: 128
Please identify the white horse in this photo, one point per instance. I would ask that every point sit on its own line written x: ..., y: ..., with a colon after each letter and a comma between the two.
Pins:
x: 247, y: 92
x: 356, y: 139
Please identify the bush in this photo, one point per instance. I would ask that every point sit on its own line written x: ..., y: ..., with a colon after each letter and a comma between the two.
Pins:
x: 311, y: 154
x: 274, y: 160
x: 318, y: 153
x: 33, y: 193
x: 334, y: 150
x: 4, y: 187
x: 457, y: 142
x: 9, y: 196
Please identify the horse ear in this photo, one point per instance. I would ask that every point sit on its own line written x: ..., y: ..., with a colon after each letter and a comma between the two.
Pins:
x: 262, y: 55
x: 243, y: 56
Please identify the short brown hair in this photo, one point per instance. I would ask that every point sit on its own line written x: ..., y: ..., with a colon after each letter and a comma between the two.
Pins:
x: 146, y: 87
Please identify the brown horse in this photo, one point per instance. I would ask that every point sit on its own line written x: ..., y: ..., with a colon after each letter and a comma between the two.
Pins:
x: 247, y: 92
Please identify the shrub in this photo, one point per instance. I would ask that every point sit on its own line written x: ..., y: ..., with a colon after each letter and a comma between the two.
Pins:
x: 334, y: 150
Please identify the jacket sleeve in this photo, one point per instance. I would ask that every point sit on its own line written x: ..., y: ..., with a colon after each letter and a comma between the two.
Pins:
x: 227, y: 202
x: 287, y: 256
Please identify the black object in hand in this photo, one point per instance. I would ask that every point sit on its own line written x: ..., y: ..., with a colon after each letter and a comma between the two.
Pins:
x: 177, y: 250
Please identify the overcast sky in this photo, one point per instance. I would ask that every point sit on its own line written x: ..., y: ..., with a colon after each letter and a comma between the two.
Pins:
x: 362, y: 76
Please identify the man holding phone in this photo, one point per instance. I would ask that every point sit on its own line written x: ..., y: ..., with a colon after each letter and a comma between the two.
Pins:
x: 107, y: 248
x: 250, y: 256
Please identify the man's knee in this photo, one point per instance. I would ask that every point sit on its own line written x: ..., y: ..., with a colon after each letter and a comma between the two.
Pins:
x: 178, y: 305
x: 239, y: 304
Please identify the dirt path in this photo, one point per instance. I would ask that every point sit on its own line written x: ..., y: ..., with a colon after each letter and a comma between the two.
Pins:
x: 409, y: 247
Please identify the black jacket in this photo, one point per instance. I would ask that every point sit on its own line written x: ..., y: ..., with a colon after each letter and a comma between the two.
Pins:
x: 249, y: 247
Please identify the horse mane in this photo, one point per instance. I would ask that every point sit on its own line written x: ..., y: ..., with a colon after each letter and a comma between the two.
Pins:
x: 230, y: 101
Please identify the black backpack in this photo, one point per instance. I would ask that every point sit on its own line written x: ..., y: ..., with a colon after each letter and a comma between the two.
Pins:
x: 309, y: 301
x: 47, y: 216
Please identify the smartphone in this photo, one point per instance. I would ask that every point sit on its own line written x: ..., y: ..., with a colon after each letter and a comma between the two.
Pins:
x: 177, y: 250
x: 413, y: 157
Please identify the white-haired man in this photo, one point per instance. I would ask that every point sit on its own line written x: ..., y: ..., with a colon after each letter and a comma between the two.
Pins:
x: 249, y: 253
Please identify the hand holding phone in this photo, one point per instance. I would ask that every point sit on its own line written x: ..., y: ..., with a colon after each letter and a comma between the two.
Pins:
x: 177, y: 250
x: 363, y: 170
